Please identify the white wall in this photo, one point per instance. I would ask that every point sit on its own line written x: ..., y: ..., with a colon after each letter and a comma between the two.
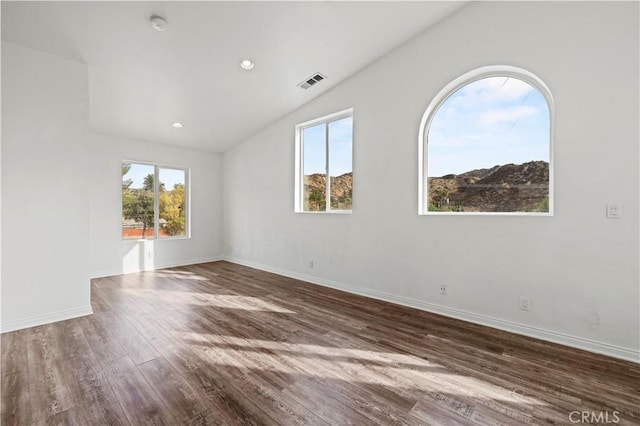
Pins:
x: 61, y: 194
x: 45, y: 209
x: 110, y: 255
x: 579, y: 268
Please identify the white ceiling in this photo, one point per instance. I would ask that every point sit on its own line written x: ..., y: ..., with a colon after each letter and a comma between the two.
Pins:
x: 142, y: 80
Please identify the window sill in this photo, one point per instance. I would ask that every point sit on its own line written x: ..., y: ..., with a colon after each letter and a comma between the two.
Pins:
x: 532, y: 214
x: 336, y: 212
x: 139, y: 240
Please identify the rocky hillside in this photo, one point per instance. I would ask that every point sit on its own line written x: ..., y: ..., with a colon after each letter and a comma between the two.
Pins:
x: 315, y: 189
x: 507, y: 188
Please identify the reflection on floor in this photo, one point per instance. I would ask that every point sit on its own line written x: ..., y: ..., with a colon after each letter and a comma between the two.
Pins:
x: 219, y: 343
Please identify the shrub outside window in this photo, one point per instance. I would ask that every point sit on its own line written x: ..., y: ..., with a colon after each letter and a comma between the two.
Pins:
x: 154, y: 201
x: 485, y: 146
x: 324, y: 164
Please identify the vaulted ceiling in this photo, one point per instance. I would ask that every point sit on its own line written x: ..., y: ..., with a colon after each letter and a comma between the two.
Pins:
x: 142, y: 80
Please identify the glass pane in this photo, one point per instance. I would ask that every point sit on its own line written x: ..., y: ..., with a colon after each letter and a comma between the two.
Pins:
x: 172, y: 203
x: 341, y: 163
x: 137, y: 201
x: 488, y: 149
x: 314, y: 168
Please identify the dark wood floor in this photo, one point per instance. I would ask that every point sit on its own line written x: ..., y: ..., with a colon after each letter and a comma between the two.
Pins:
x: 219, y: 343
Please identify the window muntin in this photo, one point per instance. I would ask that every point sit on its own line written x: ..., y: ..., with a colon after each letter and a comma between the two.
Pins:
x: 485, y: 145
x: 324, y: 147
x: 154, y: 201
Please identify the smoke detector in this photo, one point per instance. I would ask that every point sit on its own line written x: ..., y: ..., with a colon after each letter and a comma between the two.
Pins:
x: 158, y: 23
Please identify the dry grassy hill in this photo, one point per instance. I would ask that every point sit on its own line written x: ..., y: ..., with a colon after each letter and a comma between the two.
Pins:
x: 507, y: 188
x: 315, y: 189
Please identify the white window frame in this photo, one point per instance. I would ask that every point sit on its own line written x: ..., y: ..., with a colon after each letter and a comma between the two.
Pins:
x: 299, y: 153
x: 156, y: 202
x: 442, y: 96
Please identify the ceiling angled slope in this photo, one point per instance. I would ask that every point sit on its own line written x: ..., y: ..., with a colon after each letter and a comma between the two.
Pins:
x: 143, y: 80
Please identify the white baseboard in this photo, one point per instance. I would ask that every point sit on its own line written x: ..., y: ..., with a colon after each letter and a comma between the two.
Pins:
x: 164, y: 265
x: 8, y: 326
x: 602, y: 348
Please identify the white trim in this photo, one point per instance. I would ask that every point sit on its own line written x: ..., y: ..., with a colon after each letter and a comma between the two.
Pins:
x: 450, y: 89
x: 327, y: 118
x: 155, y: 267
x: 328, y: 212
x: 533, y: 214
x: 20, y: 324
x: 627, y: 354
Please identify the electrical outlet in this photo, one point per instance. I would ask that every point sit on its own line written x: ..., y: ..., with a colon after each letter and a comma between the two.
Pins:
x: 614, y: 210
x: 525, y: 303
x: 311, y: 264
x: 150, y: 255
x: 443, y: 289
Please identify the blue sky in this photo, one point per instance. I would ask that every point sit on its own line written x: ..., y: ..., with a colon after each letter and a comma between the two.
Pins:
x: 340, y: 147
x: 138, y: 172
x: 492, y: 121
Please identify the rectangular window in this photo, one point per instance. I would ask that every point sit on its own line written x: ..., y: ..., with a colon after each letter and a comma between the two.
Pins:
x: 324, y: 164
x: 154, y: 201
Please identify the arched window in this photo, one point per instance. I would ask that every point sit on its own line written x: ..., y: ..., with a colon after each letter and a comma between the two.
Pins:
x: 485, y: 145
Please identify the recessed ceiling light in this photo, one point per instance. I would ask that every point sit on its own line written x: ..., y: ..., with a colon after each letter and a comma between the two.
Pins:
x: 177, y: 125
x: 247, y: 64
x: 158, y: 23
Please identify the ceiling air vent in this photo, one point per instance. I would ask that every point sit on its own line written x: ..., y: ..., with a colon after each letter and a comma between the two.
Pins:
x: 316, y: 78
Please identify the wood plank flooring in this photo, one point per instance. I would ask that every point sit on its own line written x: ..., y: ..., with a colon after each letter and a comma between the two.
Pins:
x: 223, y: 344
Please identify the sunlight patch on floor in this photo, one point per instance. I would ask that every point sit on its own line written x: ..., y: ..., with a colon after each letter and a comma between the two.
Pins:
x: 180, y: 275
x: 257, y: 344
x: 226, y: 301
x: 408, y: 372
